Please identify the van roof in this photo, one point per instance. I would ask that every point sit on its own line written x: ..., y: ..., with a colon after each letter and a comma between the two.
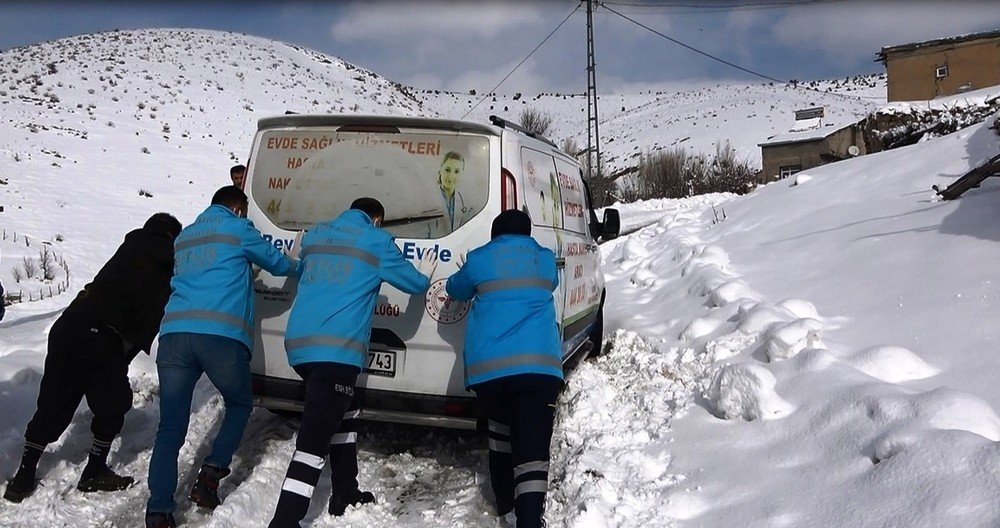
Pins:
x: 298, y: 120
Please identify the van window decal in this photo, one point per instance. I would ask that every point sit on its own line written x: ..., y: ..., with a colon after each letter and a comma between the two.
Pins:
x: 430, y: 182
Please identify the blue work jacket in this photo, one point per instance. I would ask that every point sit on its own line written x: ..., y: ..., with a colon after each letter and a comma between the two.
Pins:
x: 512, y: 326
x: 212, y: 286
x: 344, y: 263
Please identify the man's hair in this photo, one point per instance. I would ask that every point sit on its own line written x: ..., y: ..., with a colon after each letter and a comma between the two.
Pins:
x: 370, y: 206
x: 163, y: 223
x: 453, y: 156
x: 237, y: 168
x: 230, y: 196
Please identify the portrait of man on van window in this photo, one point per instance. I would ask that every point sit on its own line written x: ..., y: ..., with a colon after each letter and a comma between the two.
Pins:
x: 456, y: 211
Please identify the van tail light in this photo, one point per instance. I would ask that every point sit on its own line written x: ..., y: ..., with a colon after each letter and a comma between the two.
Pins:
x: 455, y: 409
x: 508, y: 190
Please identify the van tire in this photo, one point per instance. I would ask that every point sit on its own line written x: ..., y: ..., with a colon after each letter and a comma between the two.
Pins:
x: 284, y: 413
x: 596, y: 336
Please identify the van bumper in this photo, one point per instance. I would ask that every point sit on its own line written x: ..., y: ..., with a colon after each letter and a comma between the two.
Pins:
x: 377, y: 405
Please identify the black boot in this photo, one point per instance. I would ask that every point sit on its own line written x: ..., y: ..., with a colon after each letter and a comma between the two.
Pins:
x: 20, y: 487
x: 339, y: 503
x: 205, y: 492
x: 24, y: 484
x: 105, y: 480
x: 160, y: 520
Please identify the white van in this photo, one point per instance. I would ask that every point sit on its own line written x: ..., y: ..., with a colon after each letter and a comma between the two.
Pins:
x: 442, y: 183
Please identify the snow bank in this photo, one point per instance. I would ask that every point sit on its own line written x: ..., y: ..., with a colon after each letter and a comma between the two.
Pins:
x: 899, y: 434
x: 746, y: 391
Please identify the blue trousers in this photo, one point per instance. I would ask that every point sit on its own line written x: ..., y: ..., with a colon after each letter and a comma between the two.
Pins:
x: 180, y: 362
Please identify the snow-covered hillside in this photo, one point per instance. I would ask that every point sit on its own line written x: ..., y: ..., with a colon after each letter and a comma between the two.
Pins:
x: 164, y: 114
x: 697, y: 117
x: 817, y: 353
x: 91, y: 121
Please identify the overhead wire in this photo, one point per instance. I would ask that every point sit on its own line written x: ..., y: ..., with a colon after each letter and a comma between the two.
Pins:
x: 528, y: 56
x: 692, y: 48
x: 724, y: 61
x: 702, y: 7
x: 772, y: 4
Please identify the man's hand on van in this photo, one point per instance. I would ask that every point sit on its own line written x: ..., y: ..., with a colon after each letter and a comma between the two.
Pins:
x: 428, y: 263
x: 293, y: 252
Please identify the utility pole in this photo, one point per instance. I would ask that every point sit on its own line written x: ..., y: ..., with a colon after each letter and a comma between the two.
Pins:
x: 593, y: 136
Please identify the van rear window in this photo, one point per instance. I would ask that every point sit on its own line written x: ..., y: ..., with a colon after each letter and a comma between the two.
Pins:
x: 430, y: 183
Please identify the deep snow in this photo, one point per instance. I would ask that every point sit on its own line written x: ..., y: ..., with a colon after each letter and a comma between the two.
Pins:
x: 817, y: 354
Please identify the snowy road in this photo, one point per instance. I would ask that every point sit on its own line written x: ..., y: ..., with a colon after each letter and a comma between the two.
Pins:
x: 422, y: 477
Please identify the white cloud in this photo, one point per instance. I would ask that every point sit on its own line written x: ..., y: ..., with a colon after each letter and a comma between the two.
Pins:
x: 447, y: 21
x: 526, y: 79
x: 425, y: 81
x: 849, y: 32
x: 741, y: 28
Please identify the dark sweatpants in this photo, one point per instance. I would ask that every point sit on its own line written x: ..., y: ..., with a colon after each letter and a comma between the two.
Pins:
x: 328, y: 427
x: 85, y: 359
x: 520, y: 409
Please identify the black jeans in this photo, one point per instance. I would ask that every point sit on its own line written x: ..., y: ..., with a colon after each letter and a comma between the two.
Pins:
x: 328, y: 428
x: 85, y: 359
x: 520, y: 410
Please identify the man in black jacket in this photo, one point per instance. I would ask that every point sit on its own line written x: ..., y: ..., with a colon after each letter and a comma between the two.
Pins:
x: 90, y: 347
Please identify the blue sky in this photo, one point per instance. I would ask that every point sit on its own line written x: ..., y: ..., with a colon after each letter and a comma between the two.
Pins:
x: 462, y: 45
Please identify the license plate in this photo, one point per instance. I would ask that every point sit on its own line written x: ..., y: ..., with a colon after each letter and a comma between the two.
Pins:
x: 382, y: 364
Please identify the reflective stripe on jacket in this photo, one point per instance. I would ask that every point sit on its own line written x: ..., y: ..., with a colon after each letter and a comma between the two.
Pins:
x: 512, y: 326
x: 344, y: 263
x: 212, y: 287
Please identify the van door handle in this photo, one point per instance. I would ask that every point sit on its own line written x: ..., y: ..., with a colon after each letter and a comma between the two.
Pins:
x: 560, y: 263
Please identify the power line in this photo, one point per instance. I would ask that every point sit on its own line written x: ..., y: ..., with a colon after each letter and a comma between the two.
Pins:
x: 657, y: 9
x: 692, y: 48
x: 723, y: 7
x: 553, y: 32
x: 719, y: 59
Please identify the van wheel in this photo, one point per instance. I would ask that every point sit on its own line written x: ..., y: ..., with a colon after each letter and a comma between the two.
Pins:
x: 596, y: 336
x: 285, y: 413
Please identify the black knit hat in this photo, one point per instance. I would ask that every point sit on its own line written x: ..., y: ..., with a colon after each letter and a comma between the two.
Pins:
x: 511, y: 222
x: 163, y: 223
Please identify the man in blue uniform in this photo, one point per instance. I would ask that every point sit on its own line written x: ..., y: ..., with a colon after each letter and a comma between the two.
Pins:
x: 513, y: 359
x: 207, y: 329
x: 344, y: 263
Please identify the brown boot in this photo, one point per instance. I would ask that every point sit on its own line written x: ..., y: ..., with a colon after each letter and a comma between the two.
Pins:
x: 205, y: 492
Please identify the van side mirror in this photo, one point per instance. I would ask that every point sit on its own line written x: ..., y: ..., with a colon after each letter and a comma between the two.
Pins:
x: 611, y: 225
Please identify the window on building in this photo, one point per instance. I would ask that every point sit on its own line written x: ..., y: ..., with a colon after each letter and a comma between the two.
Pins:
x: 787, y: 170
x: 941, y: 72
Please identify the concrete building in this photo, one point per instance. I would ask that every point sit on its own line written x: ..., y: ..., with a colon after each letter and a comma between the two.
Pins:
x: 809, y: 144
x: 924, y: 70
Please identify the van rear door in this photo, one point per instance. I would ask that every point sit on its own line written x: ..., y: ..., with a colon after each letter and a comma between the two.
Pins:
x: 433, y: 182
